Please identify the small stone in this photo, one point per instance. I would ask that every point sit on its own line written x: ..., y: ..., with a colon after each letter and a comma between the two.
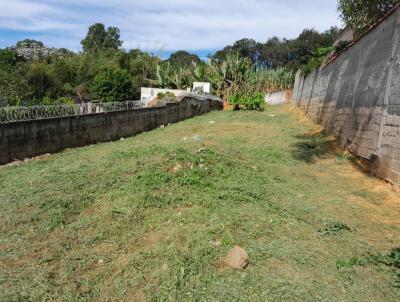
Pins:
x: 237, y: 258
x: 177, y: 168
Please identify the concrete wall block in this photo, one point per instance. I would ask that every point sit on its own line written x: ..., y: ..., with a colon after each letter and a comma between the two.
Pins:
x: 390, y: 131
x: 387, y: 150
x: 396, y: 165
x: 24, y: 139
x: 392, y: 120
x: 393, y: 109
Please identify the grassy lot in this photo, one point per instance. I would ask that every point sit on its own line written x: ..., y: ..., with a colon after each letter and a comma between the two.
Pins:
x: 149, y: 218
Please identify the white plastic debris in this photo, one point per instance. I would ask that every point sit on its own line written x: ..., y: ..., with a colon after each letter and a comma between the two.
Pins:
x: 197, y: 138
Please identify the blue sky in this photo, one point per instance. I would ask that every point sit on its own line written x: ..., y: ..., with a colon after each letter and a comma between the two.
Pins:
x: 162, y: 26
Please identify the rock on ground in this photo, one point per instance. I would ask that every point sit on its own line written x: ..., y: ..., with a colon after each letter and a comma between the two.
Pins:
x: 237, y: 258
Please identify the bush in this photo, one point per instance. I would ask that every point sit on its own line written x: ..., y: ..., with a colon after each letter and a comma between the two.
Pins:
x: 161, y: 96
x: 247, y: 101
x: 58, y: 101
x: 112, y: 86
x: 341, y: 46
x: 318, y: 58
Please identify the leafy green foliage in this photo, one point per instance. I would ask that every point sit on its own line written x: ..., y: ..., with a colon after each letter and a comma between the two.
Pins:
x: 315, y: 62
x: 250, y: 101
x: 334, y: 229
x: 361, y: 14
x: 390, y: 260
x: 341, y: 46
x: 58, y: 101
x: 29, y: 42
x: 112, y: 86
x: 8, y: 58
x: 39, y: 81
x: 98, y: 37
x: 162, y: 96
x: 246, y: 67
x: 276, y: 53
x: 182, y: 58
x: 246, y: 48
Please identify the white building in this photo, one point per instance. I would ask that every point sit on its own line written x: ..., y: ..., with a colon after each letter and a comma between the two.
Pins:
x: 149, y: 94
x: 203, y: 86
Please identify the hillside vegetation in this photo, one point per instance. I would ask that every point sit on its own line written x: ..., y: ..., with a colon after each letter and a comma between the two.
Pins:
x: 33, y: 74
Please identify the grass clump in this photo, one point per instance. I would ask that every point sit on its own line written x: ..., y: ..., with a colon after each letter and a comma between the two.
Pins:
x: 334, y: 229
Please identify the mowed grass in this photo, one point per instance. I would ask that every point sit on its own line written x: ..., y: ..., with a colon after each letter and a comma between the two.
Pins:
x: 150, y: 217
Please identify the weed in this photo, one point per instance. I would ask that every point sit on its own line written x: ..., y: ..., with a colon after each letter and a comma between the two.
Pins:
x: 334, y: 229
x: 344, y: 264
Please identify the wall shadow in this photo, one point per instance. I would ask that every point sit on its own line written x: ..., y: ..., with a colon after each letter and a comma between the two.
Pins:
x: 310, y: 147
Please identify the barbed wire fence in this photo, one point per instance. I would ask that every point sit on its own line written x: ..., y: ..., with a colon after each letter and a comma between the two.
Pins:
x: 25, y: 113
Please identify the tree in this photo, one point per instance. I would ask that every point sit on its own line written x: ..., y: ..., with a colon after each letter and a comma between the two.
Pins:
x: 361, y: 14
x: 112, y: 86
x: 275, y: 53
x: 39, y: 81
x: 246, y: 48
x: 8, y: 58
x: 14, y: 89
x: 99, y: 38
x: 182, y: 58
x: 29, y: 43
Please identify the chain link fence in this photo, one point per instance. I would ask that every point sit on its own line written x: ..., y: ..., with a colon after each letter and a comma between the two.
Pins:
x: 22, y: 113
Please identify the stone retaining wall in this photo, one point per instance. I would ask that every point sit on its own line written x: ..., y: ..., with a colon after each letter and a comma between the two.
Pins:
x: 357, y: 97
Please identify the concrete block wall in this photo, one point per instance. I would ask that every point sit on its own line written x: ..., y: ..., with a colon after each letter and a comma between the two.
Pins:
x: 25, y: 139
x: 357, y: 97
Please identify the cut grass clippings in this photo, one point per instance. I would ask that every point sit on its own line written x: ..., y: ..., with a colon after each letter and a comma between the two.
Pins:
x: 149, y: 218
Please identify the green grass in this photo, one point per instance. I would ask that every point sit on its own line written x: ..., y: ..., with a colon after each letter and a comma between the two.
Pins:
x: 150, y: 217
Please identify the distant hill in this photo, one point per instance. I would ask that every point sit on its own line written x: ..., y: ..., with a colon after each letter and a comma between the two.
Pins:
x: 34, y: 50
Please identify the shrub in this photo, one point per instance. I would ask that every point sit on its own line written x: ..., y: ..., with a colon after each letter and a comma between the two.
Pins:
x: 161, y: 96
x: 318, y: 58
x: 58, y: 101
x: 166, y: 97
x: 341, y: 46
x: 247, y: 101
x: 112, y: 86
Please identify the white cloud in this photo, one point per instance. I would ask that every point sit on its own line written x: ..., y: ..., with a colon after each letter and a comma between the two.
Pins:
x: 174, y: 24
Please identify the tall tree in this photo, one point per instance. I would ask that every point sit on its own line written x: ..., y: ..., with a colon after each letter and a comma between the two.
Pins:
x: 98, y: 37
x: 361, y: 14
x: 246, y: 48
x: 182, y: 58
x: 280, y: 53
